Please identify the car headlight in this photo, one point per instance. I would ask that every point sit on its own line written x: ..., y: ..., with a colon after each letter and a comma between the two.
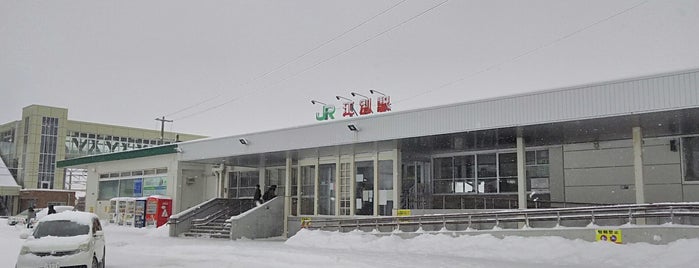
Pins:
x: 84, y: 247
x: 25, y: 250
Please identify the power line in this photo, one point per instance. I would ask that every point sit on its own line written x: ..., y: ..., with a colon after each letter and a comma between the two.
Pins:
x: 297, y: 58
x: 524, y: 54
x: 327, y: 59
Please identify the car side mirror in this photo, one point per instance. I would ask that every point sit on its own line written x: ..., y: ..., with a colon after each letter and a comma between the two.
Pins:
x: 24, y: 235
x: 99, y: 233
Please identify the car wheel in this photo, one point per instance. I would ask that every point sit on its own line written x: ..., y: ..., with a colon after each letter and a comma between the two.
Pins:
x: 95, y: 264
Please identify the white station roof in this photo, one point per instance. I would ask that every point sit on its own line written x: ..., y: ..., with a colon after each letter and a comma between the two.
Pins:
x: 662, y: 92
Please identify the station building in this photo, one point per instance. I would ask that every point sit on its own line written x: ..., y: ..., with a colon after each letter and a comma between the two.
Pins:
x: 31, y: 146
x: 626, y: 141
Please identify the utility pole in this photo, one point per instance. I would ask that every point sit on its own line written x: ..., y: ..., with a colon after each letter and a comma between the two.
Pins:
x: 162, y: 128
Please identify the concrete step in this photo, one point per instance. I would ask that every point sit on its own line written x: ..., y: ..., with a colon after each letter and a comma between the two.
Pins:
x: 207, y: 235
x: 203, y: 230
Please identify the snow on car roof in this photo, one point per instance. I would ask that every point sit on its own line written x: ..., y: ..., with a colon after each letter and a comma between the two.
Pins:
x: 74, y: 216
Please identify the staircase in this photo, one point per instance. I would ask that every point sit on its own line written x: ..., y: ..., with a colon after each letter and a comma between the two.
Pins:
x: 209, y: 219
x: 211, y: 227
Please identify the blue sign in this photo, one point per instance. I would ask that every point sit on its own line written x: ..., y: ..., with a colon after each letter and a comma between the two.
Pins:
x: 137, y: 187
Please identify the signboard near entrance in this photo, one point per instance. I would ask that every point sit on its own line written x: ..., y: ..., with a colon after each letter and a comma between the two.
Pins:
x: 403, y: 213
x: 613, y: 236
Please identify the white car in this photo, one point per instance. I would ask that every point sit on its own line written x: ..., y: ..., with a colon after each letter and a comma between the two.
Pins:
x: 68, y: 239
x: 21, y: 218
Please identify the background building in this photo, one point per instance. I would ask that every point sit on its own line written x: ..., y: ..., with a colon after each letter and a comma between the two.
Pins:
x: 31, y: 146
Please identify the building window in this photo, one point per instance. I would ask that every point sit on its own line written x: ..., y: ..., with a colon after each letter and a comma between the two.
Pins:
x: 108, y: 189
x: 537, y: 165
x: 47, y: 152
x: 276, y: 176
x: 242, y: 183
x: 489, y: 173
x: 690, y: 149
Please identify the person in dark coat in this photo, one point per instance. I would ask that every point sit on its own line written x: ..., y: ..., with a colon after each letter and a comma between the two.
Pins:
x: 51, y: 210
x: 31, y: 214
x: 270, y: 193
x: 258, y: 195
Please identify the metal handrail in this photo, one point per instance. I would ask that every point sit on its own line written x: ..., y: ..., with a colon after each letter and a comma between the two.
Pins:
x: 212, y: 217
x: 629, y: 212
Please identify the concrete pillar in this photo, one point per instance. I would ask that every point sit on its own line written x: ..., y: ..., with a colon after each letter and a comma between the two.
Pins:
x: 521, y: 172
x: 336, y: 185
x: 376, y: 182
x: 315, y: 186
x: 287, y: 195
x: 397, y: 182
x: 262, y: 174
x: 353, y: 184
x: 298, y: 190
x: 638, y: 164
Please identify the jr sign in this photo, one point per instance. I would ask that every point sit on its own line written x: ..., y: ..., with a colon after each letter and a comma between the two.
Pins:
x: 328, y: 113
x: 383, y: 104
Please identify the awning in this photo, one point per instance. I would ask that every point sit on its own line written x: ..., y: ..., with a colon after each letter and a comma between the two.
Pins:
x: 8, y: 185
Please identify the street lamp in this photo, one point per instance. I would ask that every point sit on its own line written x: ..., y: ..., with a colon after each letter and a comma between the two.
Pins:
x: 376, y: 91
x: 354, y: 94
x: 341, y: 97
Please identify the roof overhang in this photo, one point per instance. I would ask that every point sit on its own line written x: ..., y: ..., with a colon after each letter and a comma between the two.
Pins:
x: 82, y: 162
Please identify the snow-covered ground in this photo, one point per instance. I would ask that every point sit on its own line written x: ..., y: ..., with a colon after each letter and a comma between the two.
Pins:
x: 130, y: 247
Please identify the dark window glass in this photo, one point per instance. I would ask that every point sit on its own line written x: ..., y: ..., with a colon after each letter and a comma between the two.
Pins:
x: 508, y: 165
x: 691, y: 158
x: 486, y: 166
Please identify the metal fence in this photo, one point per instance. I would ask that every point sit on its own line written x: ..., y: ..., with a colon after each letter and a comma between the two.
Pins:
x: 648, y: 214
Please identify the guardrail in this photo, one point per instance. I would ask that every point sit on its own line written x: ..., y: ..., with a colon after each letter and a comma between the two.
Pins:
x: 499, y: 201
x: 684, y: 213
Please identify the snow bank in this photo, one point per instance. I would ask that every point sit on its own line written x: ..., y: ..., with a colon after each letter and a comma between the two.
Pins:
x: 555, y: 251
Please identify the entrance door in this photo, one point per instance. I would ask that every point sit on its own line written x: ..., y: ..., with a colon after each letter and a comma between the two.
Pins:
x: 241, y: 184
x: 416, y: 192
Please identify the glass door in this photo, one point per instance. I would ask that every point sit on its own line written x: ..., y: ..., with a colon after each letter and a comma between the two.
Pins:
x: 307, y: 189
x: 326, y: 189
x: 364, y: 189
x: 416, y: 183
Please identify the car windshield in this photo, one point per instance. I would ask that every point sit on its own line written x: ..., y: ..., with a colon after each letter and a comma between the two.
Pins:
x: 62, y: 228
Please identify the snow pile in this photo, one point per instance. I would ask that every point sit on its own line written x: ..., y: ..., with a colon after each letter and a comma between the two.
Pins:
x: 555, y: 251
x: 162, y: 231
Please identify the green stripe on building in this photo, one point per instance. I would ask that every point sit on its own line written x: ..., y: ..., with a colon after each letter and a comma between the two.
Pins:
x: 165, y: 149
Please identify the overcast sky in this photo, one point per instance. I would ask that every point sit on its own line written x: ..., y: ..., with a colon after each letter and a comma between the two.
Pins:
x: 221, y: 68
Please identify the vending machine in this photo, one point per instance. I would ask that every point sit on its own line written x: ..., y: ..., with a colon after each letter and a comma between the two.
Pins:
x: 130, y: 210
x: 111, y: 211
x: 139, y: 216
x: 122, y: 209
x: 158, y: 210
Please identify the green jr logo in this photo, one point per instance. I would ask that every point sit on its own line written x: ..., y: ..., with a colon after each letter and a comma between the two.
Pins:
x: 328, y: 113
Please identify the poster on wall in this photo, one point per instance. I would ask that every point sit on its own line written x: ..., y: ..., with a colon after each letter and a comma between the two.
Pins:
x: 138, y: 187
x: 155, y: 186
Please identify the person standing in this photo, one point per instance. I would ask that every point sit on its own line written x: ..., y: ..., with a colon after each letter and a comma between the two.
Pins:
x: 51, y: 210
x: 270, y: 193
x: 258, y: 195
x: 31, y: 214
